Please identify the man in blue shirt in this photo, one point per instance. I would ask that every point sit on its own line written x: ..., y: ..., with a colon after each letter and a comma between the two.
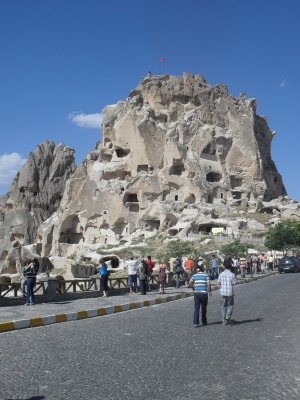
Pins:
x: 202, y: 288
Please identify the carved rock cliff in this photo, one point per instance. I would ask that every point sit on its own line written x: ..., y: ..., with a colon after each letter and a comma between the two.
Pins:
x: 178, y: 156
x: 33, y: 197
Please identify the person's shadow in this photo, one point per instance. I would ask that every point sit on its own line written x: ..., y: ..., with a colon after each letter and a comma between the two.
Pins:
x: 235, y: 322
x: 246, y: 321
x: 32, y: 398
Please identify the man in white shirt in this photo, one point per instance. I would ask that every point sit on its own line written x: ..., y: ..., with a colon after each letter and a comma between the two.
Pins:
x: 226, y: 280
x: 132, y: 266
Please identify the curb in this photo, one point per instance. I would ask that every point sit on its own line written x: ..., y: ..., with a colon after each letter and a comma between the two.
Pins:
x: 34, y: 322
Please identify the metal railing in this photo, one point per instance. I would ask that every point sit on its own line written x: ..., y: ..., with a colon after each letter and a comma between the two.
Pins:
x: 69, y: 286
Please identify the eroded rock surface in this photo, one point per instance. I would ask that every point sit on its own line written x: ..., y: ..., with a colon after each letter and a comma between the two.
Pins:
x: 33, y: 197
x: 179, y: 156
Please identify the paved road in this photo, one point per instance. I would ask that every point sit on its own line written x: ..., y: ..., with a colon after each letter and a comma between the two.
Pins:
x: 157, y: 354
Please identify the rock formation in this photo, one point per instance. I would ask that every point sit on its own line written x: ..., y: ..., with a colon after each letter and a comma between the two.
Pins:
x: 33, y: 197
x: 179, y: 156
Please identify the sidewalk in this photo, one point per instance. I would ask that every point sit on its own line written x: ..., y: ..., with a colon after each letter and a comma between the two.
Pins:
x: 21, y: 316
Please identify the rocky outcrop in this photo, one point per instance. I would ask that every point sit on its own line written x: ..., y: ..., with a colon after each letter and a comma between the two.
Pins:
x: 33, y: 197
x: 177, y: 156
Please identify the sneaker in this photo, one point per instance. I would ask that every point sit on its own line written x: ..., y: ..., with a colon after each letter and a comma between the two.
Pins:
x: 31, y: 304
x: 27, y: 304
x: 204, y: 324
x: 196, y: 325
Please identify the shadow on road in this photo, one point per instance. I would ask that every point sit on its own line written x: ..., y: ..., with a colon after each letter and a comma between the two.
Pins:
x: 32, y: 398
x: 246, y: 321
x: 235, y: 322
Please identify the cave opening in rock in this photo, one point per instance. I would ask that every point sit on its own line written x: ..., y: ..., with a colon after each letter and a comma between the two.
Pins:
x: 122, y: 152
x: 236, y: 195
x: 177, y: 169
x: 130, y: 198
x: 190, y: 199
x: 209, y: 152
x: 236, y: 182
x: 213, y: 177
x: 142, y: 168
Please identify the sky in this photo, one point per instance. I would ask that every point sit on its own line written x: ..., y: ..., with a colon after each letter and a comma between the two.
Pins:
x: 63, y: 61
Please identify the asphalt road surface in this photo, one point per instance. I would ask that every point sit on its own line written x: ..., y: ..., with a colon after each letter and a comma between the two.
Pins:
x: 156, y: 353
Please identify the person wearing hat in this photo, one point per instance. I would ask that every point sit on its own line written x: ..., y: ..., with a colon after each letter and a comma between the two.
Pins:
x: 189, y: 267
x: 201, y: 284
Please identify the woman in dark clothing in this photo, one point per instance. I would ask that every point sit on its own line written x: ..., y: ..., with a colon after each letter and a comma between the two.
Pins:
x: 103, y: 272
x: 143, y: 277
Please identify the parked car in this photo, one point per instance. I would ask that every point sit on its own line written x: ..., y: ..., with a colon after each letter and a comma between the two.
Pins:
x: 289, y: 264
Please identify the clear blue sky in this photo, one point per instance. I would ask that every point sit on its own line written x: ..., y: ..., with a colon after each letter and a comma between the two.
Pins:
x: 61, y: 58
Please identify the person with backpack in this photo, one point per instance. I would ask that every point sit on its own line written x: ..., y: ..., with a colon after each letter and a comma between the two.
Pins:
x: 143, y: 277
x: 178, y: 270
x: 30, y: 272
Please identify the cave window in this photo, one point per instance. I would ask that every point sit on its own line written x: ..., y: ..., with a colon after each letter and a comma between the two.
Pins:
x: 132, y: 198
x: 213, y: 177
x: 142, y: 168
x: 177, y: 169
x: 191, y: 199
x: 133, y: 207
x: 222, y: 195
x: 105, y: 240
x: 47, y: 208
x: 236, y: 195
x: 236, y: 182
x: 210, y: 199
x: 205, y: 229
x: 104, y: 212
x: 176, y: 197
x: 122, y: 152
x: 275, y: 180
x: 22, y: 189
x: 35, y: 193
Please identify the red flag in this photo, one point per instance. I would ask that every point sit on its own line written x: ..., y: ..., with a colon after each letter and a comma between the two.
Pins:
x: 162, y: 60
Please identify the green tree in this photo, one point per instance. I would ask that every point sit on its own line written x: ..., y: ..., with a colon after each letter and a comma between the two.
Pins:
x: 179, y: 247
x: 284, y: 236
x: 236, y: 248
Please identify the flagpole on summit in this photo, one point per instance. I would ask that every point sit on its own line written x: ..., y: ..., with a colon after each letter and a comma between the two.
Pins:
x: 161, y: 60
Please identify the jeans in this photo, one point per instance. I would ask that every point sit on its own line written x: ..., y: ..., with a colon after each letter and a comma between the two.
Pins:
x: 24, y: 288
x: 132, y: 281
x: 104, y: 283
x: 214, y: 273
x: 227, y: 303
x: 30, y: 294
x: 177, y: 280
x: 200, y: 299
x: 143, y: 284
